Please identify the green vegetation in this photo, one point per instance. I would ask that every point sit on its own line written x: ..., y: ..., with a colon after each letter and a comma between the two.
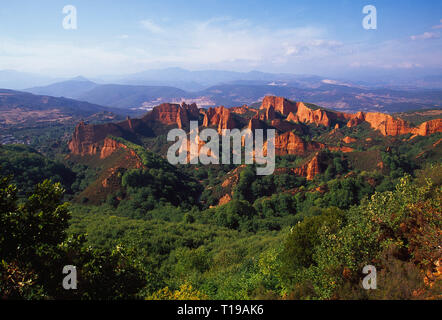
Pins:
x: 34, y: 247
x: 28, y: 167
x: 163, y: 234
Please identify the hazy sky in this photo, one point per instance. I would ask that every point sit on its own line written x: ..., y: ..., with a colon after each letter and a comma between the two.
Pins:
x: 296, y: 36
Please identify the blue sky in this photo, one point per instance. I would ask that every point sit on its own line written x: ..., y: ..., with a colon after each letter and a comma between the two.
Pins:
x: 297, y: 36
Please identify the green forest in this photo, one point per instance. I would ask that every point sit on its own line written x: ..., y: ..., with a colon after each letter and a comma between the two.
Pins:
x: 161, y: 235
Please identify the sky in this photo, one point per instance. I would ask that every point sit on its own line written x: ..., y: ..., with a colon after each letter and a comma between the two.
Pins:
x: 294, y: 36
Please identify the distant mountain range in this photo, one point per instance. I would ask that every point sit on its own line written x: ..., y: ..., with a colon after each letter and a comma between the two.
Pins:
x: 70, y: 89
x: 199, y: 80
x: 324, y: 92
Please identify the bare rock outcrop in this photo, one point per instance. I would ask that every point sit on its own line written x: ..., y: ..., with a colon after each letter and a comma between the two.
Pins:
x: 290, y: 143
x: 219, y: 117
x: 310, y: 169
x: 296, y: 111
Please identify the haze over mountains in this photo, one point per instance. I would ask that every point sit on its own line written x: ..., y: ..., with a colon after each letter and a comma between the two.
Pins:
x: 137, y: 93
x: 147, y: 89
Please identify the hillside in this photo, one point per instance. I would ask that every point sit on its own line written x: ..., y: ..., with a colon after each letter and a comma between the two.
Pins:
x: 21, y: 109
x: 302, y: 130
x: 343, y: 182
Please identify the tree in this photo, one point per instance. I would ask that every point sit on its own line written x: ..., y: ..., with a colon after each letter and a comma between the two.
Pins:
x: 236, y: 214
x: 34, y: 248
x: 243, y: 189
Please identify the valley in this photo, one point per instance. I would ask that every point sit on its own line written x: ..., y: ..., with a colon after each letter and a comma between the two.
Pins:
x: 202, y: 230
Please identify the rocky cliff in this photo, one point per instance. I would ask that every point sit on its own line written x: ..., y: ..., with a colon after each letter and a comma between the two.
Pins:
x: 429, y: 127
x: 390, y: 126
x: 307, y: 115
x: 89, y: 139
x: 386, y: 124
x: 290, y: 143
x: 219, y: 117
x: 295, y: 111
x: 310, y: 169
x: 279, y: 104
x: 173, y: 114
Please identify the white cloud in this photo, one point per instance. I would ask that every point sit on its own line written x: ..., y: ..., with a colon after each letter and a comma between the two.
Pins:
x: 425, y: 36
x: 217, y: 43
x: 223, y: 40
x: 58, y: 58
x: 151, y: 26
x: 390, y: 55
x: 439, y: 26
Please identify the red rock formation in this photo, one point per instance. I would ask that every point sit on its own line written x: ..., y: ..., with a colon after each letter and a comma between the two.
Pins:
x: 296, y: 112
x: 87, y: 138
x: 109, y: 147
x: 429, y: 127
x: 290, y: 143
x: 390, y: 126
x: 307, y: 115
x: 310, y: 169
x: 90, y: 139
x: 292, y: 117
x: 356, y: 119
x: 280, y: 105
x: 386, y: 124
x: 313, y: 168
x: 173, y: 114
x: 219, y: 117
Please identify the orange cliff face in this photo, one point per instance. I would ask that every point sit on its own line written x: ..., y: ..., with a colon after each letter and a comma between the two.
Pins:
x: 173, y: 114
x: 290, y: 143
x: 291, y: 117
x: 296, y: 112
x: 310, y: 169
x: 90, y: 139
x: 110, y: 146
x: 390, y: 126
x: 279, y: 104
x: 386, y: 124
x: 219, y: 117
x: 87, y: 137
x: 429, y: 127
x: 308, y: 115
